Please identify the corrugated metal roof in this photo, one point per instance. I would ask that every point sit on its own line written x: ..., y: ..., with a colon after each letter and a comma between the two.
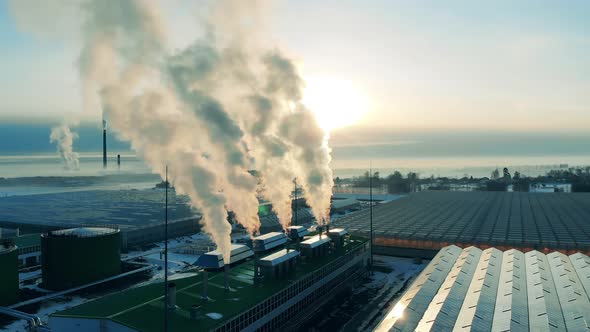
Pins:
x: 511, y: 313
x: 446, y: 304
x: 477, y: 310
x: 409, y: 310
x: 490, y: 290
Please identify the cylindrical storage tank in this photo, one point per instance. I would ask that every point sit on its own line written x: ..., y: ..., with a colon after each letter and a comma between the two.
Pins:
x: 8, y: 274
x: 78, y: 256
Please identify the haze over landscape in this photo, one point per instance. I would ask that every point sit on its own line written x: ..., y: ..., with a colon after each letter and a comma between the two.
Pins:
x: 294, y: 165
x: 511, y: 89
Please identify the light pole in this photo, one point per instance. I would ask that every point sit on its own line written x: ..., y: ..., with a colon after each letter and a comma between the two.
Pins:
x: 166, y: 257
x: 371, y: 212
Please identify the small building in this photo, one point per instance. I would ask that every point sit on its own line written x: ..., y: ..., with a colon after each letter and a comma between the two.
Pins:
x: 344, y: 204
x: 337, y: 235
x: 278, y: 264
x: 268, y: 241
x: 317, y: 245
x: 297, y: 232
x: 214, y: 259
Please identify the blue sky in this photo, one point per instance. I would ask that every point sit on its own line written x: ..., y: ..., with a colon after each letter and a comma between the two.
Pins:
x: 504, y: 65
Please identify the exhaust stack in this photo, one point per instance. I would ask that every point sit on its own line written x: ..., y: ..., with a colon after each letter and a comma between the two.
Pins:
x: 205, y: 296
x: 226, y: 276
x: 194, y: 313
x: 171, y: 296
x: 104, y: 144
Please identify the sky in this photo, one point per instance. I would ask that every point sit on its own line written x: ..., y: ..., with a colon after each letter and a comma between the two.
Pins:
x: 516, y: 66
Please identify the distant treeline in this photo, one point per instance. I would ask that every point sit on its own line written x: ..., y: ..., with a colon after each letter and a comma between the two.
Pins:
x: 578, y: 178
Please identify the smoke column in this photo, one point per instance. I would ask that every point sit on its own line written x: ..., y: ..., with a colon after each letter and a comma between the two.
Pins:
x: 226, y: 104
x: 64, y: 138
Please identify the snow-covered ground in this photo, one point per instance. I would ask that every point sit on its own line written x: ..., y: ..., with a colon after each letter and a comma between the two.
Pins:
x: 47, y: 308
x: 177, y: 264
x: 401, y: 269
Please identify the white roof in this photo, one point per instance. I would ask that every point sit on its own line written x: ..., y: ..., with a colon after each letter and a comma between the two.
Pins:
x: 268, y: 236
x: 279, y: 257
x: 338, y: 231
x: 471, y: 290
x: 315, y: 241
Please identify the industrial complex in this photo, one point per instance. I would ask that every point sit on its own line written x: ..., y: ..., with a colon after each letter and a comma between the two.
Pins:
x: 500, y: 261
x: 259, y: 293
x: 423, y: 223
x: 489, y: 290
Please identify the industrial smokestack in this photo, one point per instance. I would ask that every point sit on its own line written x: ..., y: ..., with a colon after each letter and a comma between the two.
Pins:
x: 205, y: 294
x: 226, y: 276
x: 119, y: 161
x: 171, y: 296
x: 194, y: 313
x: 104, y: 144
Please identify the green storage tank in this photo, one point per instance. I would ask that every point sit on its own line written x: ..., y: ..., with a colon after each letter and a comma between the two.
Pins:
x: 8, y: 273
x: 78, y: 256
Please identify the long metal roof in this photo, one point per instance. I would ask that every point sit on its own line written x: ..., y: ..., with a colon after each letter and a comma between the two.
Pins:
x: 491, y: 290
x: 519, y: 220
x: 411, y: 307
x: 214, y: 259
x: 278, y: 257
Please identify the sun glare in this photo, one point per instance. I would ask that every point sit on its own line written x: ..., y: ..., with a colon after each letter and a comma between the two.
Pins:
x: 336, y: 103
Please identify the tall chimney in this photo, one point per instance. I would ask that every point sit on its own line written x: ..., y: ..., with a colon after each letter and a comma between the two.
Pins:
x: 226, y: 276
x: 119, y: 161
x: 104, y: 145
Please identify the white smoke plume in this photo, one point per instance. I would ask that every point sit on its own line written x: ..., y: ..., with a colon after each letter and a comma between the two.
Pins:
x: 64, y: 139
x: 212, y: 111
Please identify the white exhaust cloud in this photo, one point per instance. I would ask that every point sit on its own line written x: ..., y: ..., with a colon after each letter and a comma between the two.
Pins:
x: 211, y: 112
x: 64, y: 138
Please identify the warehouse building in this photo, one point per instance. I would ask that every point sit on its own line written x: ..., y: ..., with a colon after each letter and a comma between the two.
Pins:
x: 489, y: 290
x: 137, y: 213
x: 423, y: 223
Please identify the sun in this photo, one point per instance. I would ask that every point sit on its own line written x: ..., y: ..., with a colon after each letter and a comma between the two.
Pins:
x: 336, y: 102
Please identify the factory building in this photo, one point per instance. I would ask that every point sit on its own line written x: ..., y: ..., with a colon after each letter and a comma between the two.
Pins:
x: 9, y: 273
x: 489, y: 290
x: 279, y: 264
x: 77, y: 256
x: 423, y: 223
x: 343, y: 205
x: 269, y: 241
x: 315, y: 246
x: 202, y: 303
x: 214, y: 259
x: 137, y: 213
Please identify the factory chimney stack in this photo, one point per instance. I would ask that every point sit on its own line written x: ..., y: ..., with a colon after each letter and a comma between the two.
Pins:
x: 104, y: 144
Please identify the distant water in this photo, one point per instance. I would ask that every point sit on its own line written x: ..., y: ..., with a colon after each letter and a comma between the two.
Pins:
x: 50, y: 165
x: 459, y: 166
x: 133, y: 174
